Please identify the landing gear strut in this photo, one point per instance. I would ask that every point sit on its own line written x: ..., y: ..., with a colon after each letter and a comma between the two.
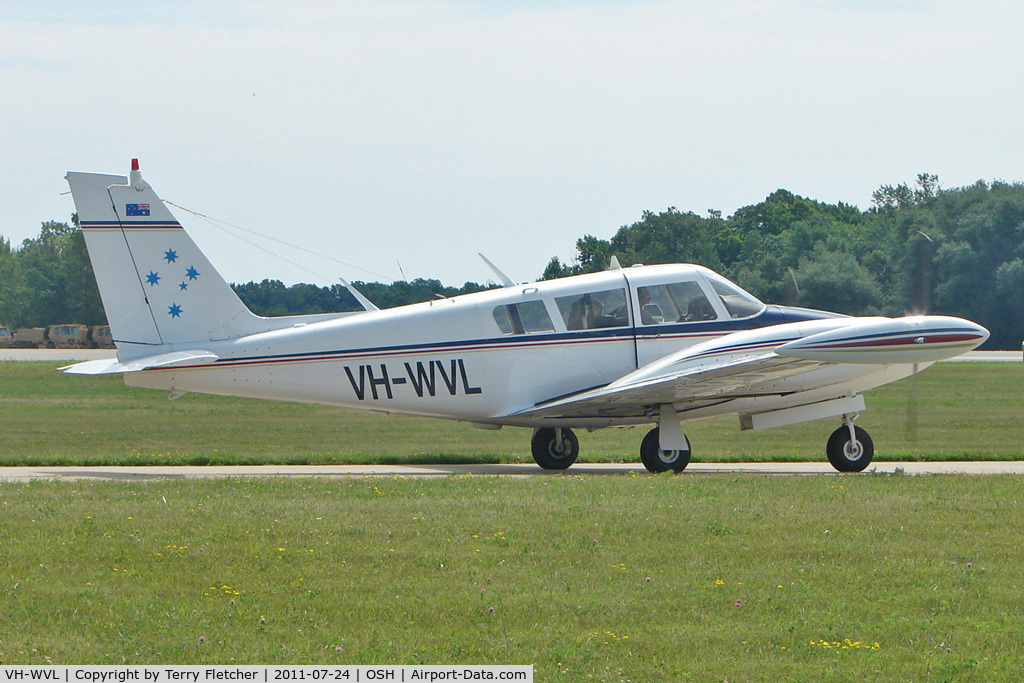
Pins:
x: 554, y: 448
x: 850, y: 449
x: 657, y: 460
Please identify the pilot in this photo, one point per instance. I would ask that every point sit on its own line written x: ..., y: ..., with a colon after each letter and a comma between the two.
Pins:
x: 621, y: 314
x: 700, y: 308
x: 643, y: 296
x: 650, y: 314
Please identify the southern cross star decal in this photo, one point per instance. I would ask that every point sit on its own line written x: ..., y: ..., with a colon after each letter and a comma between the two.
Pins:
x: 191, y: 274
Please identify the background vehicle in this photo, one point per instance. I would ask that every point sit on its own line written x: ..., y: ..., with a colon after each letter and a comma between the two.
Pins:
x: 30, y: 338
x: 63, y: 336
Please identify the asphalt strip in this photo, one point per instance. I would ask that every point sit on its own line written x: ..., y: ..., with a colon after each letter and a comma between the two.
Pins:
x: 112, y: 473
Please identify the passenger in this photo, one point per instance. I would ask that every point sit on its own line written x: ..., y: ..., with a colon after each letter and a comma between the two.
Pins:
x: 583, y: 312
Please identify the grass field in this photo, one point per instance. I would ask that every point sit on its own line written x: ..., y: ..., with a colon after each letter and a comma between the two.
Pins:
x: 606, y: 578
x: 950, y: 411
x: 601, y: 578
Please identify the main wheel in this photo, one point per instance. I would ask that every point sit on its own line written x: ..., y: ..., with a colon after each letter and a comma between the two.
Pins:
x: 657, y: 460
x: 850, y: 456
x: 549, y: 453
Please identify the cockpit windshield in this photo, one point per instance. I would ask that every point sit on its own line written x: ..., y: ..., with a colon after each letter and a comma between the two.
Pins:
x: 738, y: 303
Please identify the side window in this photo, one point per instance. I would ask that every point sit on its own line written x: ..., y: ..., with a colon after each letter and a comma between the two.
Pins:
x: 594, y: 309
x: 523, y: 318
x: 676, y: 302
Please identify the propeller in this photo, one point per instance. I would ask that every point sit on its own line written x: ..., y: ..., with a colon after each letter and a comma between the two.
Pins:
x: 912, y: 415
x: 925, y: 251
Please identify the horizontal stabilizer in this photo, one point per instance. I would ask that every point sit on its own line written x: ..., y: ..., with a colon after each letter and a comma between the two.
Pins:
x: 109, y: 366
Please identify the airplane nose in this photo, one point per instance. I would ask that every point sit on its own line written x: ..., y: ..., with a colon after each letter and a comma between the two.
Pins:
x: 985, y: 334
x: 972, y: 331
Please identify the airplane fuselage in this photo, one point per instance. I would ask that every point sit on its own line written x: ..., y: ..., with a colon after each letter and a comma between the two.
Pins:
x: 475, y: 357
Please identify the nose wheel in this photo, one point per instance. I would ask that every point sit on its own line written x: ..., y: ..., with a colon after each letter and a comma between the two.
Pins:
x: 850, y: 449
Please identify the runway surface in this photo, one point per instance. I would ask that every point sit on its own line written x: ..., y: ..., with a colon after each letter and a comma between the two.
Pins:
x: 25, y: 474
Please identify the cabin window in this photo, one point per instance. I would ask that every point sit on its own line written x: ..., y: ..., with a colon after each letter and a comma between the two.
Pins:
x: 594, y: 309
x: 676, y: 302
x: 527, y: 317
x: 736, y: 301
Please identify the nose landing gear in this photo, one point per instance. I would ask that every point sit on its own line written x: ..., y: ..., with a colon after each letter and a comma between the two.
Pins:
x: 850, y: 449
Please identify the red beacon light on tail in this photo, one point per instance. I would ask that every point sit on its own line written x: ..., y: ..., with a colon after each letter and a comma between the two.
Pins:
x: 135, y: 177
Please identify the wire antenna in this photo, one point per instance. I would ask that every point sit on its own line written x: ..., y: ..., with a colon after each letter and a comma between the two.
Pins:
x: 224, y: 225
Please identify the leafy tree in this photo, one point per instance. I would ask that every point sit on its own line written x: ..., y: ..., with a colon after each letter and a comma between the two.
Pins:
x: 835, y: 281
x: 556, y: 269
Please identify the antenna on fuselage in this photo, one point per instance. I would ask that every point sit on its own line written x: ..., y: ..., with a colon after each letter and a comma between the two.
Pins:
x: 363, y: 301
x: 613, y: 263
x: 505, y: 280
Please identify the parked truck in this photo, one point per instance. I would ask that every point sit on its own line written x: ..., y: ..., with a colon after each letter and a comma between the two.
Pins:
x: 99, y: 337
x: 31, y: 338
x: 63, y: 336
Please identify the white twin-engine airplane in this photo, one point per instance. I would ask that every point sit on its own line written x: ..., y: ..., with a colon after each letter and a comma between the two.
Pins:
x: 647, y: 344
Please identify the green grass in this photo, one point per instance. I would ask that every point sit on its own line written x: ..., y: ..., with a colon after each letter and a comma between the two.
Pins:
x: 605, y: 578
x: 963, y: 411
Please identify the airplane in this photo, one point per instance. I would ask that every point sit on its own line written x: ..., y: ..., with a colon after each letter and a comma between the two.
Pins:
x: 657, y: 344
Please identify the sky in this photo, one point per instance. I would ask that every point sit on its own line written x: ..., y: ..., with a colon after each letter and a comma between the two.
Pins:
x: 394, y: 139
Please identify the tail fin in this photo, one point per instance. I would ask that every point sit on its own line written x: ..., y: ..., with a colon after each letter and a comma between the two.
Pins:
x: 157, y: 287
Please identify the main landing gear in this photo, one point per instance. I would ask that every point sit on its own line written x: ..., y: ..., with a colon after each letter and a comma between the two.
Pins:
x: 554, y: 448
x: 657, y: 460
x: 557, y: 448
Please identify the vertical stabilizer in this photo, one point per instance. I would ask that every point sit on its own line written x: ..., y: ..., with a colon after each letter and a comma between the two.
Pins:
x: 156, y: 286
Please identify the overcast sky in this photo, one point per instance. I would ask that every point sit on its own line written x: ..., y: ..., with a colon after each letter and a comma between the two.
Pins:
x: 381, y: 132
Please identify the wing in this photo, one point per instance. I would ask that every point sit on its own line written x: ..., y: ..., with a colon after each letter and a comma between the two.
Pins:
x: 696, y: 386
x: 779, y: 360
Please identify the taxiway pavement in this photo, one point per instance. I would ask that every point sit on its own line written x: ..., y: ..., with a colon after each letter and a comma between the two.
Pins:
x: 126, y: 473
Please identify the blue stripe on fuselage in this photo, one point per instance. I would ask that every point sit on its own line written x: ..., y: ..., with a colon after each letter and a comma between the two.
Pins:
x: 772, y: 315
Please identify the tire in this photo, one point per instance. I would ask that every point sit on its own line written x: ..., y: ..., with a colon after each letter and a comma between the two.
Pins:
x: 546, y: 452
x: 847, y: 457
x: 657, y: 460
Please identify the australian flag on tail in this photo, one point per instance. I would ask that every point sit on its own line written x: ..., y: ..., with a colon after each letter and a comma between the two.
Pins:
x: 136, y: 209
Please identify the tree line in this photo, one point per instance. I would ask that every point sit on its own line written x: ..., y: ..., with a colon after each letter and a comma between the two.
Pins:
x: 920, y: 249
x: 917, y: 249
